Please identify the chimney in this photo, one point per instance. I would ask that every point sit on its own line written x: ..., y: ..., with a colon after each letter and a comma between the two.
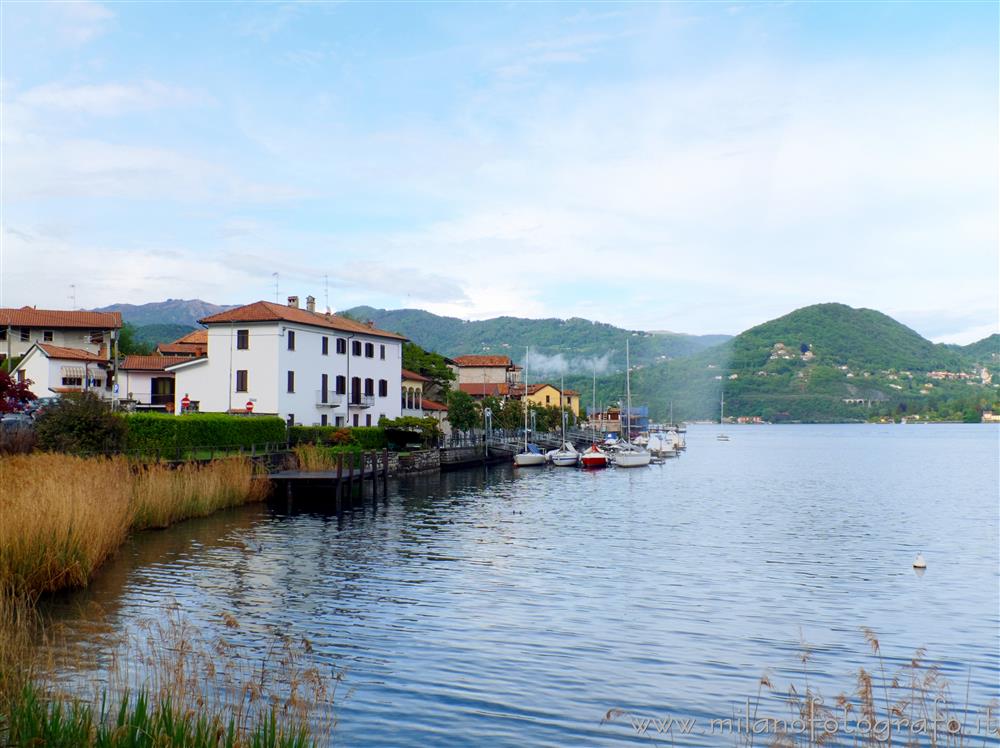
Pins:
x: 370, y: 323
x: 310, y: 303
x: 293, y: 302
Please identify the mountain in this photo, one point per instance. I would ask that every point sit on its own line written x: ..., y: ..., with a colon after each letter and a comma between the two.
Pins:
x: 826, y: 362
x: 985, y: 351
x: 172, y: 311
x: 153, y: 334
x: 571, y: 338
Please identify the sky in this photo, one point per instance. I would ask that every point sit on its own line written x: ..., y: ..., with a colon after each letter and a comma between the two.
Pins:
x: 694, y: 167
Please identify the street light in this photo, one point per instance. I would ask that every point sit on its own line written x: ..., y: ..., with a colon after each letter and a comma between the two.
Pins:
x: 487, y: 427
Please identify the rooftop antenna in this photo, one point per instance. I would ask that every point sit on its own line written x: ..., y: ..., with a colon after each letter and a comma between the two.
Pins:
x: 72, y: 296
x: 275, y: 276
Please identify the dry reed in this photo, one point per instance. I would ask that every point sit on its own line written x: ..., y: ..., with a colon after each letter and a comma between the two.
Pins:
x: 61, y: 516
x: 313, y: 458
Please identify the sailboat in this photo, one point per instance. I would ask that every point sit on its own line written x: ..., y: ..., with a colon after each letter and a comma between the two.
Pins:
x: 629, y: 455
x: 594, y: 457
x: 530, y: 455
x: 722, y: 437
x: 566, y: 455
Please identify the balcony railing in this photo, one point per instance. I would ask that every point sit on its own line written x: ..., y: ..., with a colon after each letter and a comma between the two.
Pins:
x: 328, y: 399
x: 362, y: 401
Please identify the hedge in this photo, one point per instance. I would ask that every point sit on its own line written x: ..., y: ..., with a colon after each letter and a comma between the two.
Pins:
x: 363, y: 437
x: 159, y: 433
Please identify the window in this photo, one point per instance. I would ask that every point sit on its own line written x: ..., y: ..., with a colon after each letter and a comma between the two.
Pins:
x: 381, y: 352
x: 355, y: 347
x: 547, y: 399
x: 323, y: 388
x: 47, y: 336
x: 241, y: 380
x: 96, y: 336
x: 322, y: 418
x: 3, y: 334
x: 370, y: 387
x: 291, y: 340
x: 242, y: 340
x: 355, y: 390
x: 326, y: 346
x: 291, y: 381
x: 26, y: 335
x: 369, y: 350
x: 368, y: 419
x: 341, y: 385
x: 355, y: 419
x: 403, y: 398
x: 341, y: 345
x: 339, y: 420
x: 383, y: 388
x: 72, y: 381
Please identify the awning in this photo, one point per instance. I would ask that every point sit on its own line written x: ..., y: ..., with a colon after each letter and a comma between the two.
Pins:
x: 73, y: 371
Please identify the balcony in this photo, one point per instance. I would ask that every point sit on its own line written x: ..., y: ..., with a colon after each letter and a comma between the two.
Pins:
x: 328, y: 399
x: 362, y: 401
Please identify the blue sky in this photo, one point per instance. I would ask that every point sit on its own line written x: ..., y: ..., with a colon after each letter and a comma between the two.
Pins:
x: 698, y: 167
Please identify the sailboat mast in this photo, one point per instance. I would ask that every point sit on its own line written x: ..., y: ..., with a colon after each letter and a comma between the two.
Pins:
x: 628, y: 396
x: 524, y: 398
x: 562, y: 413
x: 593, y: 407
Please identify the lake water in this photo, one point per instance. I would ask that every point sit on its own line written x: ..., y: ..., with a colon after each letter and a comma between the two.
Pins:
x: 494, y: 607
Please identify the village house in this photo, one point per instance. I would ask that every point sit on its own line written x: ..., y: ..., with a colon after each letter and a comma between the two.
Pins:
x: 414, y: 403
x: 192, y: 345
x: 547, y: 395
x: 57, y: 370
x: 88, y: 331
x: 305, y: 366
x: 145, y: 382
x: 486, y: 370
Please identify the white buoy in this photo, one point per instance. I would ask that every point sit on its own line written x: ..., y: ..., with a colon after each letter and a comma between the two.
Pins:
x: 919, y: 563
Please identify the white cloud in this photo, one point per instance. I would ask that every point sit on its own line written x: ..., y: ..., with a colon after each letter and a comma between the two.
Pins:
x: 79, y: 21
x: 108, y: 99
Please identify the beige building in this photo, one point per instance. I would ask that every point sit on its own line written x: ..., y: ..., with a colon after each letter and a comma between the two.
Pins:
x: 486, y: 370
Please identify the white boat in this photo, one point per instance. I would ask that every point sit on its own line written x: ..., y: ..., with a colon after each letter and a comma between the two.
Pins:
x: 565, y: 456
x: 662, y: 444
x: 530, y: 456
x: 722, y: 437
x: 629, y: 455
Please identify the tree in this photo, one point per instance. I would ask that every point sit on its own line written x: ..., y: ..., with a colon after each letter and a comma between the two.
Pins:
x: 129, y: 343
x: 81, y: 424
x: 14, y: 395
x: 462, y: 411
x: 429, y: 364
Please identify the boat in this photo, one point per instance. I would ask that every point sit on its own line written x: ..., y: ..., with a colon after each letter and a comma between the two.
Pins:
x: 629, y: 455
x: 566, y: 455
x: 531, y: 455
x: 722, y: 437
x: 594, y: 457
x: 662, y: 444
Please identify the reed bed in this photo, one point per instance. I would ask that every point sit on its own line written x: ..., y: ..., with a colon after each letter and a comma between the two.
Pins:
x: 317, y: 459
x: 61, y: 516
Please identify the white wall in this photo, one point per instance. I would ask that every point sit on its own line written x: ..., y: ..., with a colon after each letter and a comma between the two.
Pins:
x: 67, y: 338
x: 46, y: 373
x: 267, y: 361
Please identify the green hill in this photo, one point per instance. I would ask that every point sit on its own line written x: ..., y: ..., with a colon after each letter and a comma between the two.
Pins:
x: 985, y: 351
x: 826, y: 362
x: 162, y: 333
x: 573, y: 337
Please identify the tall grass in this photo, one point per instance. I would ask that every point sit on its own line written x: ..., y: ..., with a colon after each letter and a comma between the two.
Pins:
x: 314, y: 458
x: 61, y: 516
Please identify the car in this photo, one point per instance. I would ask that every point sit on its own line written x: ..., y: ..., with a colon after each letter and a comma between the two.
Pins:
x: 15, y: 420
x: 36, y: 407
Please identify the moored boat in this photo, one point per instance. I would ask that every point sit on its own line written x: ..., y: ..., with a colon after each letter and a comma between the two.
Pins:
x: 593, y: 458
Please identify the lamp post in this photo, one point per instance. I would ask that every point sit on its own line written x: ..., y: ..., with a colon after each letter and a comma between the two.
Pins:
x: 487, y: 426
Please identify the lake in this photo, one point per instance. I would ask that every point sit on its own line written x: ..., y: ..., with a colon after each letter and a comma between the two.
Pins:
x: 516, y: 608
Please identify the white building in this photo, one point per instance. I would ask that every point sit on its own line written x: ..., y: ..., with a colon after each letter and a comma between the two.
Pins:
x: 89, y: 331
x: 297, y: 363
x: 144, y: 381
x: 56, y: 370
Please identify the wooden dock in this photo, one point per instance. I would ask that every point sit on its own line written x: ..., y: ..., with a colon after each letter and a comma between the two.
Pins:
x: 339, y: 489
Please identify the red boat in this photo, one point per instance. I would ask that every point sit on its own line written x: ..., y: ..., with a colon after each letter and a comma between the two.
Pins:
x: 593, y: 458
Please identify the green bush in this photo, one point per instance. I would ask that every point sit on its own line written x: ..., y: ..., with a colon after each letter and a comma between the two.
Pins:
x: 159, y: 433
x: 362, y: 437
x: 80, y: 424
x: 368, y: 437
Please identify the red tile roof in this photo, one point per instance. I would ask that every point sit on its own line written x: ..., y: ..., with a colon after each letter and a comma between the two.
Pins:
x: 503, y: 361
x: 180, y: 349
x: 147, y: 363
x: 518, y: 389
x: 570, y: 392
x: 28, y: 316
x: 70, y: 354
x: 195, y: 337
x: 267, y: 311
x: 431, y: 405
x: 412, y: 375
x: 481, y: 390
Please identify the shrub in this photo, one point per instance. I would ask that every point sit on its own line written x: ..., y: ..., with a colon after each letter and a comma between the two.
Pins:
x: 152, y: 433
x: 368, y: 437
x: 408, y: 429
x: 81, y: 424
x: 318, y: 435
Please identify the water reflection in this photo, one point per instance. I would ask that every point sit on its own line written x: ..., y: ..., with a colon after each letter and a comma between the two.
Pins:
x: 517, y: 607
